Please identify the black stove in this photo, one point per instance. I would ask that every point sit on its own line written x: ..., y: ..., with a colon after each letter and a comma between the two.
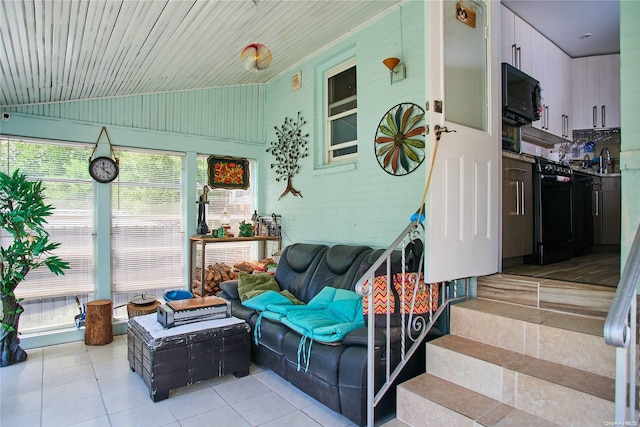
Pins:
x: 548, y: 167
x: 553, y: 212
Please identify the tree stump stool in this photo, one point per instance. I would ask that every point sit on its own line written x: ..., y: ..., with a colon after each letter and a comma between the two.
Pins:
x: 99, y: 322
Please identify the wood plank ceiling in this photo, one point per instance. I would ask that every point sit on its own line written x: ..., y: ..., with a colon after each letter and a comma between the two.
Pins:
x: 63, y: 50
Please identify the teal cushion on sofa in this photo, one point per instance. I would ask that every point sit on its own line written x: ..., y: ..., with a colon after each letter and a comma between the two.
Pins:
x: 266, y: 298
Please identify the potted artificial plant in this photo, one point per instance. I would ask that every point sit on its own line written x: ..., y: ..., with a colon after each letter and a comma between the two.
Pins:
x: 23, y: 216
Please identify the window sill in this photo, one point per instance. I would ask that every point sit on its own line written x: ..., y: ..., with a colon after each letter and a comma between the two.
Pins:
x: 334, y: 168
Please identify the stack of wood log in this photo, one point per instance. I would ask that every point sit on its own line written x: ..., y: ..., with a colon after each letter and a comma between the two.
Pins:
x: 213, y: 276
x: 219, y: 272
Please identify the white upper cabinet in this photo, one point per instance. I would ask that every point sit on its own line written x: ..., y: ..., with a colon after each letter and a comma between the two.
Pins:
x: 525, y: 48
x: 515, y: 46
x: 556, y: 91
x: 596, y: 91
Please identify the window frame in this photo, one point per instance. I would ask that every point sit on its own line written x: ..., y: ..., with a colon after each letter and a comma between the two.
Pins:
x: 331, y: 158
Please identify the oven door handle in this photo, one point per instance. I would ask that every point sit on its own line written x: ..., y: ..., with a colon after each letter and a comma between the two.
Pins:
x: 556, y: 178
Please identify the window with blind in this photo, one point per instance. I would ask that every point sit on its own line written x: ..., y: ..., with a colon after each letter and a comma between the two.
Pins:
x: 147, y: 238
x: 49, y: 300
x: 68, y: 188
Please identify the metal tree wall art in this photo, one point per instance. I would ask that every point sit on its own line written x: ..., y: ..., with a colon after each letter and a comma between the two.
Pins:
x: 290, y: 147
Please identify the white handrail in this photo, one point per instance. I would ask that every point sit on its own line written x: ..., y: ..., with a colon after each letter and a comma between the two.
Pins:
x: 418, y: 324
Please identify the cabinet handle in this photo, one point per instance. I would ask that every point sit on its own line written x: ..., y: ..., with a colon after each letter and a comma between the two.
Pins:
x: 546, y: 114
x: 565, y: 125
x: 517, y: 170
x: 517, y: 198
x: 595, y: 116
x: 513, y: 55
x: 522, y: 199
x: 604, y: 117
x: 596, y: 204
x: 519, y: 52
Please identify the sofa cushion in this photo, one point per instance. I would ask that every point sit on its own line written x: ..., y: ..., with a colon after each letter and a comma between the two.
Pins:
x: 230, y: 289
x: 251, y: 285
x: 339, y: 267
x: 265, y: 299
x: 297, y: 264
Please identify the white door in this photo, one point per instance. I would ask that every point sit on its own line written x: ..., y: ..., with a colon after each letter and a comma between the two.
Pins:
x: 463, y: 204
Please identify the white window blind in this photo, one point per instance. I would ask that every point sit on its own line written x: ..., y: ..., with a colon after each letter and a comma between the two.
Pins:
x: 147, y: 227
x: 62, y: 167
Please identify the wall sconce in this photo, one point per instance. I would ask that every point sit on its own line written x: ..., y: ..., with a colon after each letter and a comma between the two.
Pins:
x: 397, y: 70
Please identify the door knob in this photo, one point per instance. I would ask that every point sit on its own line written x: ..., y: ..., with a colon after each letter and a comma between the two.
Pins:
x: 440, y: 130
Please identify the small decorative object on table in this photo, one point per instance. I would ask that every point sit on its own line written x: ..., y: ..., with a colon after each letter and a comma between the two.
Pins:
x: 246, y: 230
x: 219, y: 233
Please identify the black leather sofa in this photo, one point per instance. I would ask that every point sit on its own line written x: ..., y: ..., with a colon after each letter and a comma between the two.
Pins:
x: 337, y: 374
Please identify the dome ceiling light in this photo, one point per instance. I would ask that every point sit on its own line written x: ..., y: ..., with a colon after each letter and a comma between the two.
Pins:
x: 256, y: 57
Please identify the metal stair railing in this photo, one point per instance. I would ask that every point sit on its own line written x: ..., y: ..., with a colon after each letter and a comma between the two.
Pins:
x: 620, y: 331
x: 413, y: 328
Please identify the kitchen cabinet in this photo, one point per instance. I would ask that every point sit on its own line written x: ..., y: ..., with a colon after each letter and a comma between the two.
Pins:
x: 596, y: 91
x: 525, y: 48
x: 611, y: 210
x: 556, y: 91
x: 515, y: 40
x: 596, y: 209
x: 606, y: 210
x: 517, y: 208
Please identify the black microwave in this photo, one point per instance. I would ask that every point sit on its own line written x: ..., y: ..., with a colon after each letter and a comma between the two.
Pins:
x: 520, y: 96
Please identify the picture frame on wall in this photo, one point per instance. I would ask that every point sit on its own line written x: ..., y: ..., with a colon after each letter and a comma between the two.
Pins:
x: 231, y: 173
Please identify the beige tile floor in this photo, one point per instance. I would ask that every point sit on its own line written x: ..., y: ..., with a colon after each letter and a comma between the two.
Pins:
x: 77, y: 385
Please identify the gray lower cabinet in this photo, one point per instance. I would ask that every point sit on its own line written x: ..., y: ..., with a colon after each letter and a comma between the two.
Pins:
x: 606, y: 210
x: 597, y: 210
x: 611, y: 210
x: 517, y: 208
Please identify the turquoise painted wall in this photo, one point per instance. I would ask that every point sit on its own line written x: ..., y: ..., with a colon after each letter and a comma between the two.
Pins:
x: 630, y: 105
x: 230, y: 113
x: 353, y: 202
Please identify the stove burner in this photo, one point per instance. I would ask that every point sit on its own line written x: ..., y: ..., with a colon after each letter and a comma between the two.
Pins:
x: 552, y: 168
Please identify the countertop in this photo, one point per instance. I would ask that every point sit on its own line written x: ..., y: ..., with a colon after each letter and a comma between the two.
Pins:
x: 531, y: 159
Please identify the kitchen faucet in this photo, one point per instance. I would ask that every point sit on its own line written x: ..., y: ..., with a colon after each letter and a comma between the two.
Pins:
x: 603, y: 165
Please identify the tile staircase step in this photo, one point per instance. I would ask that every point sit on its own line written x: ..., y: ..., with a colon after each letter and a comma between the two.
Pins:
x: 568, y: 339
x: 548, y: 390
x: 559, y: 295
x: 431, y: 401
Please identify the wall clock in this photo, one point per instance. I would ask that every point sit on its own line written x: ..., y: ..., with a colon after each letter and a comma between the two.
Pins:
x: 103, y: 169
x: 400, y: 139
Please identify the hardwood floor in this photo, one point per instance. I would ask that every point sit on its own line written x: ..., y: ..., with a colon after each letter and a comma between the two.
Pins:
x: 599, y: 268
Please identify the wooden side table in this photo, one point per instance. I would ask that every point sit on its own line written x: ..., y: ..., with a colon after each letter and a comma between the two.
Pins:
x: 204, y: 240
x: 99, y: 322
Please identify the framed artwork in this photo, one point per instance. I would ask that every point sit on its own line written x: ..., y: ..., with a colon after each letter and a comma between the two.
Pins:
x: 228, y: 172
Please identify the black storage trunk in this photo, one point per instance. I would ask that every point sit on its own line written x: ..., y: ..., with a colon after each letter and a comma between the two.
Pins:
x: 188, y: 357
